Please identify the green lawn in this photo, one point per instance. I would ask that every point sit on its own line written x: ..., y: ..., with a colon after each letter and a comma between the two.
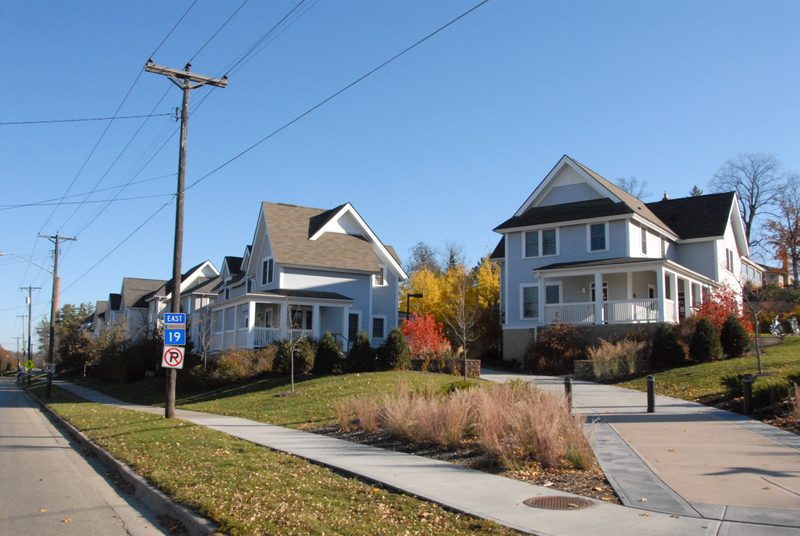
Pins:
x: 262, y: 400
x: 703, y: 382
x: 249, y: 489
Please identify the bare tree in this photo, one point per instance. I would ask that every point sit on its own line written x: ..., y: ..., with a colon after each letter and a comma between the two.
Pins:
x: 204, y: 333
x: 696, y: 191
x: 757, y: 180
x: 453, y: 255
x: 783, y: 230
x: 461, y: 313
x: 421, y: 255
x: 296, y: 337
x: 637, y: 188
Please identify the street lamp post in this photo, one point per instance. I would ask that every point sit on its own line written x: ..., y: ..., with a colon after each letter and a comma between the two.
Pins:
x: 408, y: 302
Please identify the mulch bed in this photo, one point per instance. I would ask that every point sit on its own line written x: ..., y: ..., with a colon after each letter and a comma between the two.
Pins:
x: 591, y: 483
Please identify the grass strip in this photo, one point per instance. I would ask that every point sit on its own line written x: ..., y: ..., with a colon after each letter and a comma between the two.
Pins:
x: 249, y: 489
x: 703, y: 382
x: 264, y: 400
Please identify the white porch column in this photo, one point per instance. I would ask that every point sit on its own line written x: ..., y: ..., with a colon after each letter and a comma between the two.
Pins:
x: 598, y: 298
x: 283, y: 321
x: 688, y: 287
x: 251, y: 322
x: 315, y: 321
x: 345, y: 321
x: 673, y: 280
x: 661, y: 295
x: 542, y: 319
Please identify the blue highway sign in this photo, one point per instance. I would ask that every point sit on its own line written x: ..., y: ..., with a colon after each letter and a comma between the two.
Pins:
x: 174, y: 318
x: 175, y: 337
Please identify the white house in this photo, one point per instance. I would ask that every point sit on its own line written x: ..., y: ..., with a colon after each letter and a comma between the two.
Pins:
x: 307, y: 271
x: 582, y: 250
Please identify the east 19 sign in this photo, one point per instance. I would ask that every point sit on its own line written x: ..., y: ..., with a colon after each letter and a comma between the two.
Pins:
x: 175, y: 337
x: 174, y: 318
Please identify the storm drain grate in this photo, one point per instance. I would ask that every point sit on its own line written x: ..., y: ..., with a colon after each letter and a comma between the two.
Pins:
x: 558, y: 502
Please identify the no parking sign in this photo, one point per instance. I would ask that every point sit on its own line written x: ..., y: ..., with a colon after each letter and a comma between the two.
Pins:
x: 172, y: 357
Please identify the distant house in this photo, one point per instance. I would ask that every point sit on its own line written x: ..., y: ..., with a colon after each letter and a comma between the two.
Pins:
x: 133, y: 307
x: 581, y: 250
x: 307, y: 271
x: 773, y: 275
x: 97, y: 320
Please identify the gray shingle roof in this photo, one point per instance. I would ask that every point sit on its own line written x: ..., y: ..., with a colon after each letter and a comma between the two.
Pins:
x: 289, y: 228
x: 115, y: 301
x: 697, y: 216
x: 135, y: 290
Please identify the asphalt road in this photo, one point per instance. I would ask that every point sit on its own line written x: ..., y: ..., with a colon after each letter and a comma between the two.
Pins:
x: 48, y: 488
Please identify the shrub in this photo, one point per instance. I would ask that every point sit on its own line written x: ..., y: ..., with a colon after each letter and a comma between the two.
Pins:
x: 394, y: 354
x: 721, y: 303
x: 425, y: 339
x: 235, y: 365
x: 329, y: 357
x: 665, y: 352
x: 362, y: 356
x: 555, y: 350
x: 705, y: 345
x: 612, y: 360
x: 457, y: 385
x: 734, y: 338
x: 366, y: 411
x: 304, y: 350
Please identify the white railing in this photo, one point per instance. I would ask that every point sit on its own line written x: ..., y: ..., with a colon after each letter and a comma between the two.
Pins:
x: 614, y: 312
x: 569, y: 313
x: 631, y: 311
x: 266, y: 336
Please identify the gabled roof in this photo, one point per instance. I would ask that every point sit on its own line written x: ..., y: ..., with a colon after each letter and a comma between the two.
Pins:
x: 696, y: 217
x: 101, y: 306
x: 234, y: 264
x: 135, y: 291
x: 203, y: 285
x: 297, y: 238
x: 579, y: 210
x: 166, y: 289
x: 114, y: 301
x: 499, y: 250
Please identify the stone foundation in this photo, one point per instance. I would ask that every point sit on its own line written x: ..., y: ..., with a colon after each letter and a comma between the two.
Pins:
x: 515, y: 343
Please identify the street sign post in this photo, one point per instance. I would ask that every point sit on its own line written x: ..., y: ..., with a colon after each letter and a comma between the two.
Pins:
x: 172, y: 357
x: 174, y: 337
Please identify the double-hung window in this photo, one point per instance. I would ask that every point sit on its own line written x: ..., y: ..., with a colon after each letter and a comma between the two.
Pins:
x: 552, y: 294
x: 541, y: 243
x: 267, y: 271
x: 598, y: 237
x: 378, y: 327
x: 729, y: 260
x: 530, y: 302
x: 380, y: 277
x: 644, y: 241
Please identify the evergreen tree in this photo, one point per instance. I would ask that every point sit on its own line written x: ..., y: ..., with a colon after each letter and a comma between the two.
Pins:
x: 705, y: 345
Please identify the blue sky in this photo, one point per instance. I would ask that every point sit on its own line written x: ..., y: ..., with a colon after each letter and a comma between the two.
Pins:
x: 441, y: 145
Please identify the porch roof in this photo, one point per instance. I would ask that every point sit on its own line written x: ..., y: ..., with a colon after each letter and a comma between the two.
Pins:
x: 598, y: 262
x: 619, y: 264
x: 297, y: 293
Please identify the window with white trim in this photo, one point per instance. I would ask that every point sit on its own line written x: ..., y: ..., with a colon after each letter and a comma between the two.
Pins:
x: 267, y: 271
x: 729, y: 260
x: 378, y: 327
x: 598, y: 237
x: 644, y: 240
x: 242, y: 314
x: 552, y: 294
x: 380, y: 277
x: 530, y: 302
x: 543, y: 243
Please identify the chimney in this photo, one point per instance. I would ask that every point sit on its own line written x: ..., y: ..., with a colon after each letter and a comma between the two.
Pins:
x: 666, y: 197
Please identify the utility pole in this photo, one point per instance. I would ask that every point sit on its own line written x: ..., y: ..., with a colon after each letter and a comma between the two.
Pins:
x: 23, y: 340
x: 186, y: 81
x: 23, y: 317
x: 29, y: 299
x: 56, y: 240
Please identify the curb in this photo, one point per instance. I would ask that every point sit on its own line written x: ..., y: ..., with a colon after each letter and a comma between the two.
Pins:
x: 155, y: 500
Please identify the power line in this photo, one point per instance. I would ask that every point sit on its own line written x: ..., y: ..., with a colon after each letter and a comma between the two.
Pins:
x: 42, y: 201
x: 337, y: 93
x: 48, y: 204
x: 218, y: 30
x: 83, y: 119
x: 169, y: 33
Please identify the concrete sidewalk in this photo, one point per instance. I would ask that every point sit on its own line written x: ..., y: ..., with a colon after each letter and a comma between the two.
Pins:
x: 687, y: 458
x: 48, y: 488
x: 473, y: 492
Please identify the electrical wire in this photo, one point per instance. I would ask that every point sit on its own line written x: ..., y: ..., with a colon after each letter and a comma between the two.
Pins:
x: 218, y: 30
x: 47, y: 204
x: 82, y: 119
x: 169, y: 33
x: 336, y: 94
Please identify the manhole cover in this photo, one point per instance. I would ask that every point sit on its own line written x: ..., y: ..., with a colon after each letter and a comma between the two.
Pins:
x: 558, y: 502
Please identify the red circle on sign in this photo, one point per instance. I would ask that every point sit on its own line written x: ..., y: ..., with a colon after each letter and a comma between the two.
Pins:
x: 173, y: 357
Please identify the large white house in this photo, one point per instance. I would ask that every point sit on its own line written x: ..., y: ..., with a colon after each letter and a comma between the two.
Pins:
x: 582, y: 250
x: 307, y: 271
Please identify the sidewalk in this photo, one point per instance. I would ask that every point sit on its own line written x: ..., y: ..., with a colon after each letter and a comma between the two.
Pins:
x: 48, y: 488
x: 687, y: 458
x: 465, y: 490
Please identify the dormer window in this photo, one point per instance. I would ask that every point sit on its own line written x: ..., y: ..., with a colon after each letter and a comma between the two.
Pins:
x: 598, y: 236
x: 267, y: 271
x: 380, y: 277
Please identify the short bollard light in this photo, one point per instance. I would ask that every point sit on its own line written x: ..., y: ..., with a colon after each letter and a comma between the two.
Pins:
x: 568, y: 392
x: 651, y: 394
x: 747, y: 391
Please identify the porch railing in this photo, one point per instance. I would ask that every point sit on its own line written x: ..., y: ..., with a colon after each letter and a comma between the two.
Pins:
x: 266, y: 336
x: 570, y: 313
x: 614, y: 312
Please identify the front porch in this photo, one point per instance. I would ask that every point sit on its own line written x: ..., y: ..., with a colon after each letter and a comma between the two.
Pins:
x: 259, y: 320
x: 659, y: 291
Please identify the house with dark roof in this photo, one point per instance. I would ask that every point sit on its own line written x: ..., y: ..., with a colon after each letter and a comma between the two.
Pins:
x: 582, y: 250
x: 307, y: 271
x: 133, y: 306
x: 198, y: 285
